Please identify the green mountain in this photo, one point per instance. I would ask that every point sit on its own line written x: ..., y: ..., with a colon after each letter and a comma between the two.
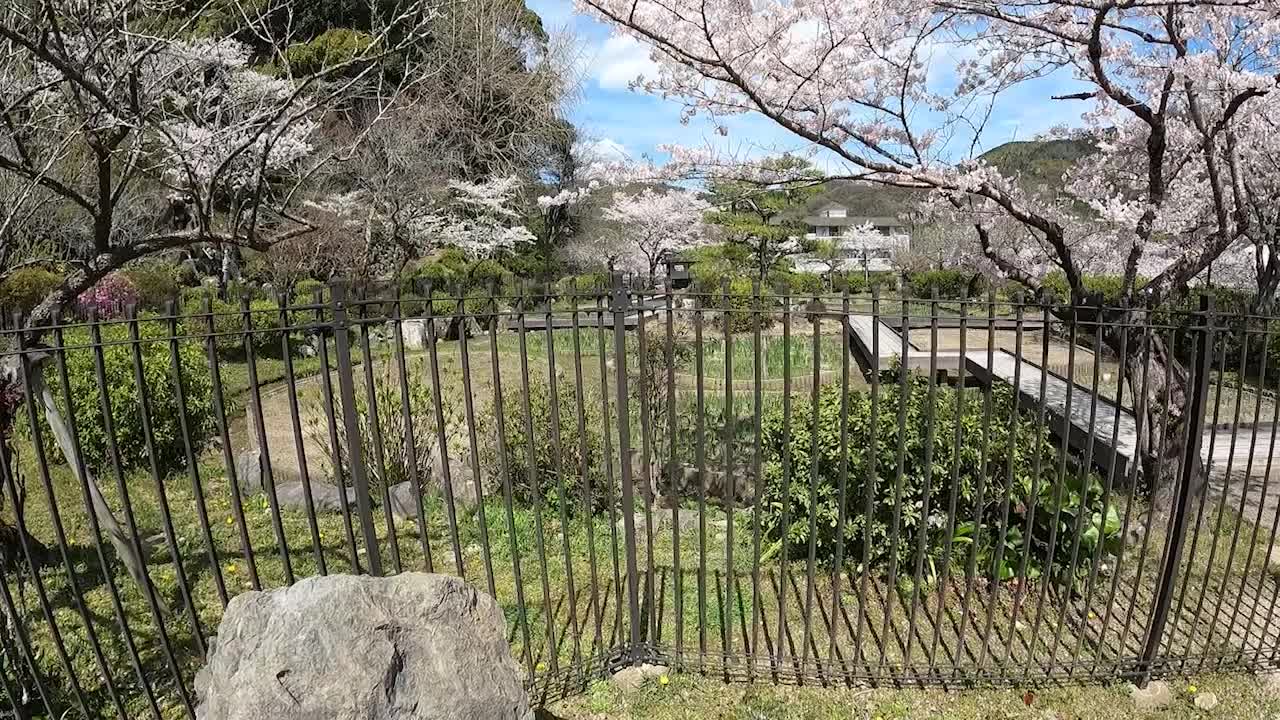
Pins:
x: 1038, y: 163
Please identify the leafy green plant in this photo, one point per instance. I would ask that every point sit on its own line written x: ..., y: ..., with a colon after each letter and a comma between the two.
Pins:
x: 408, y: 443
x: 24, y: 288
x: 229, y: 326
x: 156, y: 282
x: 1017, y: 471
x: 577, y: 454
x: 123, y: 392
x: 949, y: 284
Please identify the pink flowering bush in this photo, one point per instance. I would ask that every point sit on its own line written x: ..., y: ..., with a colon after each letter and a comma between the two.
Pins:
x: 109, y: 296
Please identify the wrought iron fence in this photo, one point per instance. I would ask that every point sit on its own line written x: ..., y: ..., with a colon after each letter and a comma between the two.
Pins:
x: 754, y: 486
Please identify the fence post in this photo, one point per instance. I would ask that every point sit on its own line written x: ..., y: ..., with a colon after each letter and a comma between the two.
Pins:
x: 351, y: 426
x: 1199, y: 387
x: 619, y: 304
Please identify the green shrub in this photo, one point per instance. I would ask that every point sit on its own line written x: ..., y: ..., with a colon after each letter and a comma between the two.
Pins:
x: 798, y: 284
x: 1019, y: 449
x: 26, y: 287
x: 949, y: 284
x: 542, y: 454
x: 333, y: 47
x: 584, y: 284
x: 304, y: 291
x: 857, y: 283
x: 228, y: 325
x: 398, y: 444
x: 123, y: 393
x: 156, y: 282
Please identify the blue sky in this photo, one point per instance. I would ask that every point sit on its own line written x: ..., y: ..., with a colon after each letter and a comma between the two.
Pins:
x: 620, y: 120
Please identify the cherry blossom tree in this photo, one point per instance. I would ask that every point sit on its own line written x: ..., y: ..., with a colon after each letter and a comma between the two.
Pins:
x: 154, y: 139
x: 1171, y: 91
x: 645, y: 228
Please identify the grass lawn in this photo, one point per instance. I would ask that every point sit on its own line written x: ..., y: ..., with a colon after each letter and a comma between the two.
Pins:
x: 684, y: 697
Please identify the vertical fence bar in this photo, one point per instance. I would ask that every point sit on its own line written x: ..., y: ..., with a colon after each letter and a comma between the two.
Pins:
x: 522, y: 615
x: 442, y: 442
x: 954, y: 491
x: 872, y: 470
x: 469, y: 409
x: 224, y: 436
x: 646, y: 469
x: 558, y: 468
x: 331, y: 424
x: 757, y: 370
x: 162, y: 500
x: 731, y: 494
x: 670, y: 473
x: 1162, y: 430
x: 815, y: 318
x: 295, y: 420
x: 837, y: 602
x: 374, y: 425
x: 700, y: 461
x: 996, y: 569
x: 979, y: 524
x: 1186, y: 485
x: 351, y: 424
x: 193, y: 468
x: 785, y: 525
x: 409, y: 436
x: 922, y: 536
x: 620, y: 303
x: 264, y: 450
x: 535, y: 484
x: 589, y: 500
x: 895, y: 530
x: 602, y: 347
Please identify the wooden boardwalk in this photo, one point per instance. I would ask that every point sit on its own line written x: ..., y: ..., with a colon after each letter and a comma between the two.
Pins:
x: 1093, y: 420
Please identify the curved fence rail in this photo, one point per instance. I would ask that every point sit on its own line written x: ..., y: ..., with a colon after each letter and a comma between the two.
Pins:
x: 742, y: 486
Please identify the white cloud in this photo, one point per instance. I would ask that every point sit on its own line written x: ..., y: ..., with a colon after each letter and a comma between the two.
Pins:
x: 622, y: 59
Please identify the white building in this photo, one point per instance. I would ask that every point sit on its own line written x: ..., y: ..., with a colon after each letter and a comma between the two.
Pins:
x: 862, y: 242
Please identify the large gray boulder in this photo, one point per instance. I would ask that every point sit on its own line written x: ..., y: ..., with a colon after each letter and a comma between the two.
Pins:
x: 249, y: 471
x: 414, y: 645
x: 325, y: 498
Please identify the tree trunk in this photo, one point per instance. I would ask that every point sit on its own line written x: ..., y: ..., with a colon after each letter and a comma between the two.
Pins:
x: 131, y: 553
x: 1162, y: 412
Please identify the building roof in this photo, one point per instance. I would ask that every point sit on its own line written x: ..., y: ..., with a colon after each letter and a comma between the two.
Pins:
x: 854, y: 221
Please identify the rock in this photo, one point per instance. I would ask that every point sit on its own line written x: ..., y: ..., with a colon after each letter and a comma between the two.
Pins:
x: 324, y: 497
x: 1154, y: 696
x: 462, y: 480
x: 402, y: 500
x: 631, y: 678
x: 414, y: 333
x: 1206, y: 701
x: 307, y: 350
x: 664, y: 519
x: 413, y: 646
x: 249, y: 471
